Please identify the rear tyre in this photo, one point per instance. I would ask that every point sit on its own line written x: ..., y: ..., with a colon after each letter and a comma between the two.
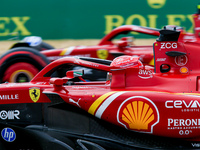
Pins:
x: 21, y: 64
x: 20, y: 72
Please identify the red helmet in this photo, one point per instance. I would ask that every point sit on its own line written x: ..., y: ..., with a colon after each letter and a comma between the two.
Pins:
x: 127, y: 62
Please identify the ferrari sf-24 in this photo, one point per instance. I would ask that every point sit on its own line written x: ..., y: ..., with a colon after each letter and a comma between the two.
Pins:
x: 23, y: 61
x: 27, y: 57
x: 137, y: 107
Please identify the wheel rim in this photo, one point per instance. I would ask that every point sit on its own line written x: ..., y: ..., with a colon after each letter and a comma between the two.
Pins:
x: 20, y: 72
x: 21, y: 76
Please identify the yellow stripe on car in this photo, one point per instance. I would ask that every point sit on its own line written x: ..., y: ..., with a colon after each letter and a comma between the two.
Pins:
x: 63, y: 52
x: 96, y: 103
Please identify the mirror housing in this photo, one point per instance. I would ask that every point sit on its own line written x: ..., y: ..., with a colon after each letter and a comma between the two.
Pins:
x: 58, y: 81
x: 74, y: 73
x: 122, y: 44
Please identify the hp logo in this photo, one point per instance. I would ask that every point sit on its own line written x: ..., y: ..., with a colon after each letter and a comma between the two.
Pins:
x: 8, y: 134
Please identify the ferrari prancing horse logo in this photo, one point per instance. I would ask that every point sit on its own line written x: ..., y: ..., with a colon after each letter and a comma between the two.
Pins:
x: 102, y: 53
x: 34, y: 93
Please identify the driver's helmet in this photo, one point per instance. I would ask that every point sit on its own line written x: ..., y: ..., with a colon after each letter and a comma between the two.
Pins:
x: 124, y: 62
x: 127, y: 62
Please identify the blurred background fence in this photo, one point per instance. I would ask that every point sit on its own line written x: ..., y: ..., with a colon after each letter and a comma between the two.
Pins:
x: 89, y: 19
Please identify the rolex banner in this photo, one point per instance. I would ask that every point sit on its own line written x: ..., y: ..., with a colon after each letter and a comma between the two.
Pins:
x: 89, y: 19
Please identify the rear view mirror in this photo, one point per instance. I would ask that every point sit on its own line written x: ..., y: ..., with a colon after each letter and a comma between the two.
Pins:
x: 122, y: 44
x: 58, y: 81
x: 74, y: 73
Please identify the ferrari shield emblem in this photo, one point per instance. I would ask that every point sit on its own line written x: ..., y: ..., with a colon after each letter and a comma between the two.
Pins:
x: 102, y: 53
x: 34, y: 93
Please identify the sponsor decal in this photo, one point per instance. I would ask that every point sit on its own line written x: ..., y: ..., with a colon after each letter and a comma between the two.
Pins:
x: 183, y: 122
x: 160, y: 59
x: 75, y: 102
x: 52, y: 58
x: 19, y: 24
x: 113, y: 21
x: 102, y: 53
x: 8, y: 134
x: 9, y: 97
x: 195, y: 144
x: 34, y: 94
x: 184, y: 126
x: 184, y: 70
x: 185, y: 106
x: 181, y: 60
x: 87, y: 63
x: 138, y: 113
x: 145, y: 74
x: 10, y: 114
x: 135, y: 113
x: 168, y: 45
x: 156, y: 4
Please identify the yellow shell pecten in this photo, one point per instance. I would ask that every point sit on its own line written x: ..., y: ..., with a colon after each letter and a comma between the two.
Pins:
x: 138, y: 115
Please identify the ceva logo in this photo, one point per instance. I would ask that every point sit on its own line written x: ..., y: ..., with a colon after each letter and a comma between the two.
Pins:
x: 8, y: 134
x: 156, y: 4
x: 182, y: 104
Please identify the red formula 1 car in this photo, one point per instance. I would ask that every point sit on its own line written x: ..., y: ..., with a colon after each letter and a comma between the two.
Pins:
x: 23, y: 62
x: 138, y: 107
x: 29, y: 56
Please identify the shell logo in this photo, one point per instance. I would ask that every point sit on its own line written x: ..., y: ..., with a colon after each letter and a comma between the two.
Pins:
x: 138, y: 113
x: 156, y: 4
